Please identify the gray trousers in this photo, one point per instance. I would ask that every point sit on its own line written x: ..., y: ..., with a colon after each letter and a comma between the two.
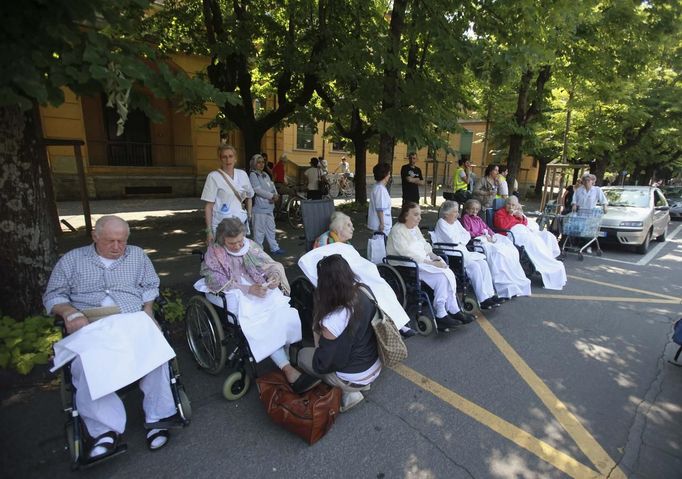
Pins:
x: 264, y: 228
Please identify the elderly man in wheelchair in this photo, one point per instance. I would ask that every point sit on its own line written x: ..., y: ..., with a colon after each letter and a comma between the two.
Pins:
x: 240, y: 276
x: 105, y: 295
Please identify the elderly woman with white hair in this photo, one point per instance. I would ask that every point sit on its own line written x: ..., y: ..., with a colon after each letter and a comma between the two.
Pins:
x: 449, y: 230
x: 264, y: 205
x: 502, y: 255
x: 251, y: 281
x: 542, y: 246
x: 340, y: 230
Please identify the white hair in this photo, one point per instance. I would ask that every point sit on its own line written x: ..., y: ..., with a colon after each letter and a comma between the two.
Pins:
x: 106, y: 220
x: 337, y: 220
x: 447, y: 207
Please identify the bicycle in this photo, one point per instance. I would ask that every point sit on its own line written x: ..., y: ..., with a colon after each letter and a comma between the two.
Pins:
x: 289, y: 207
x: 340, y: 186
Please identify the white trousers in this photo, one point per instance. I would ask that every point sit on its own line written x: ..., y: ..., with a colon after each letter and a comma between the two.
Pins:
x: 264, y: 228
x: 108, y: 413
x: 444, y: 287
x: 507, y: 273
x: 481, y: 279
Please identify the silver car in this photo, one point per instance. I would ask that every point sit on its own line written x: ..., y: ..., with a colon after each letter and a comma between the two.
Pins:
x: 674, y: 196
x: 636, y: 215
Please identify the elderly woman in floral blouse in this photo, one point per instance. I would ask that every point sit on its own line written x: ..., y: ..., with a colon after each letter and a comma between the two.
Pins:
x: 250, y: 280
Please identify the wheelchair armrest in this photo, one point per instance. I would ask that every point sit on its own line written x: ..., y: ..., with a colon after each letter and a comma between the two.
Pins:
x: 404, y: 259
x: 198, y: 252
x: 449, y: 249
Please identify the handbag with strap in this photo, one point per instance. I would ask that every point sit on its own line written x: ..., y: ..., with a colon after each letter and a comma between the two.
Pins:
x: 309, y: 415
x: 392, y: 349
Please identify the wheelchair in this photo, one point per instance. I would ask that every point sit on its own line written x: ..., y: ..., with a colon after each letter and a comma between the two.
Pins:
x: 455, y: 260
x: 526, y: 263
x: 76, y: 433
x: 215, y: 339
x: 402, y: 275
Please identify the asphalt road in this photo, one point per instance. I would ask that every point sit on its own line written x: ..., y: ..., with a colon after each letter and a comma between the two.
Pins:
x: 561, y: 384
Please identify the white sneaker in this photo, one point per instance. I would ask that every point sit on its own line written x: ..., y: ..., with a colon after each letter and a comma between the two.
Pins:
x: 589, y: 250
x: 350, y: 399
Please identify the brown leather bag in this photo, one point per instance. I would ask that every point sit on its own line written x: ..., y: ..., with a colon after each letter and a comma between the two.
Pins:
x: 309, y: 415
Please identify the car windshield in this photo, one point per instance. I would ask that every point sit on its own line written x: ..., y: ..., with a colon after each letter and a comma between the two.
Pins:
x: 622, y: 197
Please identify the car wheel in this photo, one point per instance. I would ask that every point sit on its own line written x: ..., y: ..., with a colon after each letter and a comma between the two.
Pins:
x: 644, y: 247
x: 661, y: 238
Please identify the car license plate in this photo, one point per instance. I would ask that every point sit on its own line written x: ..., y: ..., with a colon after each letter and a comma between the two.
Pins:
x: 602, y: 234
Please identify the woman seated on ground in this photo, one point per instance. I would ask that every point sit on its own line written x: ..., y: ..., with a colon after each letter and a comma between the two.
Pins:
x: 405, y: 239
x: 449, y: 230
x: 345, y: 353
x: 542, y: 246
x: 340, y: 230
x: 501, y: 254
x: 250, y: 279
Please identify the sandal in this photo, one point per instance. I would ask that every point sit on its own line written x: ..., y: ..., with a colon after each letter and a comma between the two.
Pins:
x: 108, y: 446
x: 165, y: 433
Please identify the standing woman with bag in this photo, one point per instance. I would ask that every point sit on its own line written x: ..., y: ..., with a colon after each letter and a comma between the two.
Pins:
x: 346, y: 353
x: 224, y: 192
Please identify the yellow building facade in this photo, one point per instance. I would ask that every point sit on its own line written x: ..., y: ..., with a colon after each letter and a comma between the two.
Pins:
x: 172, y: 158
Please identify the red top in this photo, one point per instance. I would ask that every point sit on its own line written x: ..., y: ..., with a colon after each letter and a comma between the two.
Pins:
x: 505, y: 220
x: 278, y: 172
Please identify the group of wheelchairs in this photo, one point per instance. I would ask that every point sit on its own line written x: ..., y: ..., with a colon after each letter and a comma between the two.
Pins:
x: 77, y: 437
x: 218, y: 343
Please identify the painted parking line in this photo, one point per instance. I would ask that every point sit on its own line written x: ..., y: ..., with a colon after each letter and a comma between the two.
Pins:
x: 618, y: 299
x: 518, y: 436
x: 587, y: 444
x: 584, y: 440
x: 624, y: 288
x: 654, y: 251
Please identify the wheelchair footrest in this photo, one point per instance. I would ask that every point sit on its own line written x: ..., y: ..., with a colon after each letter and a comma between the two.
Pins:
x: 173, y: 422
x: 122, y: 448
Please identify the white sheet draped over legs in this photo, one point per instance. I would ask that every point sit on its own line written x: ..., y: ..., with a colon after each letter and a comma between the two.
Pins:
x: 365, y: 270
x: 543, y: 257
x: 507, y: 273
x: 444, y: 285
x: 268, y: 323
x: 481, y: 279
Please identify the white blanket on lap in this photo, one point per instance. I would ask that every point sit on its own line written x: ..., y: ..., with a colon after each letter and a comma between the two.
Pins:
x: 267, y: 323
x: 365, y: 270
x: 115, y: 351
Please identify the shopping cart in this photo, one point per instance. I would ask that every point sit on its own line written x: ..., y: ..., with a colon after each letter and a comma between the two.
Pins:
x: 550, y: 218
x: 580, y: 230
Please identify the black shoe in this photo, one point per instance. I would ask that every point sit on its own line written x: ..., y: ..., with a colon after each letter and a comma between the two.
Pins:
x: 489, y: 304
x: 498, y: 300
x: 305, y: 382
x: 462, y: 317
x: 446, y: 323
x: 503, y: 300
x: 407, y: 332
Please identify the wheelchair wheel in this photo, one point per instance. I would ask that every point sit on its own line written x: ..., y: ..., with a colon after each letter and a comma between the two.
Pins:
x: 395, y: 281
x: 236, y: 385
x: 294, y: 213
x: 424, y: 325
x: 205, y: 335
x: 186, y: 412
x: 469, y: 303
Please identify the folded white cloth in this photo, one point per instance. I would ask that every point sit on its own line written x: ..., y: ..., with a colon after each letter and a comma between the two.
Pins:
x: 115, y: 351
x: 365, y: 270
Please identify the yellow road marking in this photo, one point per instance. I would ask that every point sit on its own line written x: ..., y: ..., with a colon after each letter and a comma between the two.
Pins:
x: 590, y: 447
x: 625, y: 288
x: 607, y: 298
x: 541, y: 449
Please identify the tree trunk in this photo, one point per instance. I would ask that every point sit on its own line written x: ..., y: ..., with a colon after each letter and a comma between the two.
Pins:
x: 515, y: 152
x: 601, y: 164
x: 389, y: 99
x: 360, y: 147
x: 27, y: 232
x: 540, y: 182
x: 252, y: 139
